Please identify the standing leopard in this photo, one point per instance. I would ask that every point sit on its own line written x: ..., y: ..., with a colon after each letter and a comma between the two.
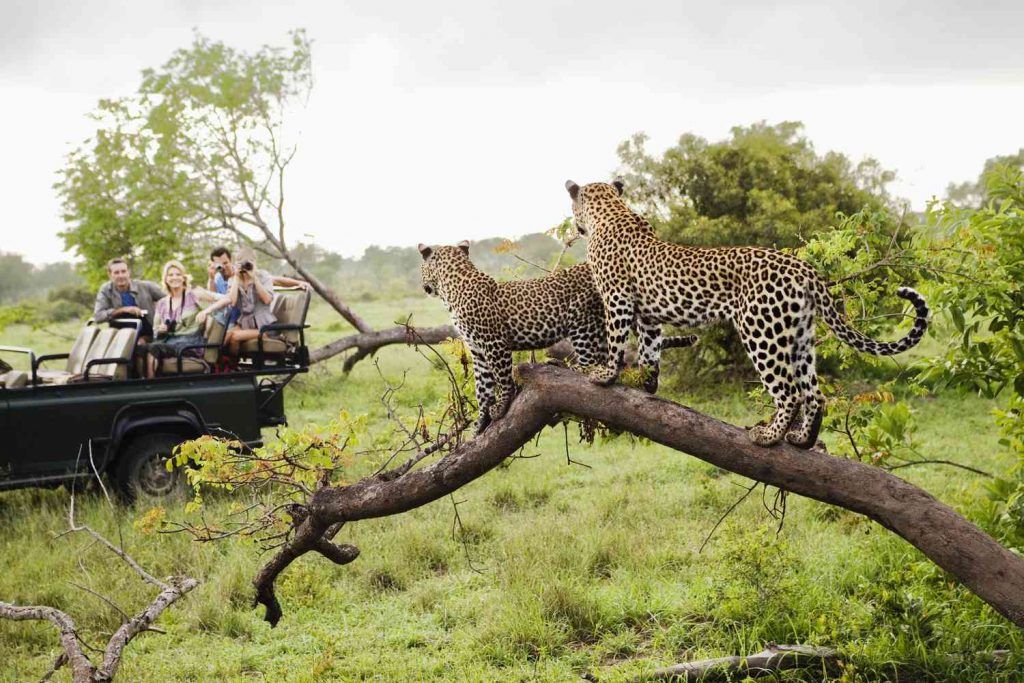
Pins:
x: 769, y: 297
x: 497, y: 318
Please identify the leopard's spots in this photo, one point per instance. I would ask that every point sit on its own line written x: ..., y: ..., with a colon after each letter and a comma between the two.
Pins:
x: 497, y: 318
x: 770, y: 298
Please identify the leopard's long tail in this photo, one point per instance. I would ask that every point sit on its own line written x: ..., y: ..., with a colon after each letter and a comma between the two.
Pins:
x: 678, y: 341
x: 833, y: 317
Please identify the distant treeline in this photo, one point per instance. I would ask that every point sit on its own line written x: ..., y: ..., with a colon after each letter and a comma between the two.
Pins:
x: 383, y: 272
x: 20, y: 280
x: 380, y: 272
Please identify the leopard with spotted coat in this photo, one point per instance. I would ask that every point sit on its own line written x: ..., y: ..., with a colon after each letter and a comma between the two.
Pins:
x: 497, y: 318
x: 770, y: 297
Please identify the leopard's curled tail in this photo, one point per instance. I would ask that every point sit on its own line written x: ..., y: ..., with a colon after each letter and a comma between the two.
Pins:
x: 826, y: 306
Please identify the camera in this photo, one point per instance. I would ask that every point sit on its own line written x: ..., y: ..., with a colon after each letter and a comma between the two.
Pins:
x: 219, y: 268
x: 171, y: 325
x: 246, y: 266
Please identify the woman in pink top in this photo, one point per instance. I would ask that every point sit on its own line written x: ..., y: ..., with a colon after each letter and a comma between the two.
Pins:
x: 178, y: 320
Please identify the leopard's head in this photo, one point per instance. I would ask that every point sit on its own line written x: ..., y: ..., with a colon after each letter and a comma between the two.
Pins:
x: 585, y: 199
x: 439, y: 262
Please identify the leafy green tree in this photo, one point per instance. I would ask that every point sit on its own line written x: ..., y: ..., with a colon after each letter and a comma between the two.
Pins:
x: 198, y: 155
x: 984, y: 306
x: 974, y: 194
x: 118, y: 201
x: 763, y: 185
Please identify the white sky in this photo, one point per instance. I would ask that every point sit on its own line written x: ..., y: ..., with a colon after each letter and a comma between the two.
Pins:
x: 440, y: 121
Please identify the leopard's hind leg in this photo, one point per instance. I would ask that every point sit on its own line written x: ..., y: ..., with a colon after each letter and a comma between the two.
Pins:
x: 590, y: 345
x: 769, y: 345
x: 499, y: 358
x: 483, y: 379
x: 649, y: 341
x: 804, y: 433
x: 619, y: 319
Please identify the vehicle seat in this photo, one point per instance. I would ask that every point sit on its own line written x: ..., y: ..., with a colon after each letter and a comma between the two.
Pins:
x: 15, y: 379
x: 76, y: 358
x: 97, y: 349
x: 191, y: 365
x: 289, y: 307
x: 121, y: 346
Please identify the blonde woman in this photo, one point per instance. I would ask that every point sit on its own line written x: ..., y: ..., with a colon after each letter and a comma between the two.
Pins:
x: 178, y: 320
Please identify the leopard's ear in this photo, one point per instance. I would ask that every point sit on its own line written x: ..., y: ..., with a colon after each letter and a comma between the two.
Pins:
x: 464, y: 246
x: 424, y: 250
x: 619, y: 185
x: 573, y: 189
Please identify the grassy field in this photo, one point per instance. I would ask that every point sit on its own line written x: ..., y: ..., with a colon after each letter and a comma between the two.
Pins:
x: 564, y: 568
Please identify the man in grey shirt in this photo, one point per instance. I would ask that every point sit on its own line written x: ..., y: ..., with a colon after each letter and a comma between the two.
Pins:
x: 123, y: 297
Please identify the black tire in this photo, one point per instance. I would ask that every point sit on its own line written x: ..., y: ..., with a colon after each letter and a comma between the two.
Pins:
x: 142, y: 470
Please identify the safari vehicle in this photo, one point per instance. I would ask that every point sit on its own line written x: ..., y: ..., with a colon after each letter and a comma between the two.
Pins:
x: 94, y: 416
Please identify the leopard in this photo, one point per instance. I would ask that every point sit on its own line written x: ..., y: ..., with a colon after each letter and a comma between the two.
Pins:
x: 769, y: 296
x: 496, y: 318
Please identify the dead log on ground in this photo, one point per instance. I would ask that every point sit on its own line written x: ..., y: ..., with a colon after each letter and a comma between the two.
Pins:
x: 767, y: 662
x: 72, y: 645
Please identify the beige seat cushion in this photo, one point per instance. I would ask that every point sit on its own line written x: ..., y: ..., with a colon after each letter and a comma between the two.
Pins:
x: 76, y: 357
x: 289, y: 307
x: 98, y: 349
x: 14, y: 379
x: 53, y: 376
x: 214, y: 335
x: 121, y: 346
x: 270, y: 345
x: 189, y: 366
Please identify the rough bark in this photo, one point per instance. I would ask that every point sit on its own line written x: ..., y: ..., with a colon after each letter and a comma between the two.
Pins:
x: 992, y: 572
x: 768, y: 662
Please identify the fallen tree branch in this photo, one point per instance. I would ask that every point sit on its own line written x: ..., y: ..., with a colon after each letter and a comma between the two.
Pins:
x: 992, y: 572
x: 82, y: 668
x: 767, y: 662
x: 367, y: 343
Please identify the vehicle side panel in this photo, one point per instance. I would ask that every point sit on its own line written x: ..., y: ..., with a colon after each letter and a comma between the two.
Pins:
x: 48, y: 424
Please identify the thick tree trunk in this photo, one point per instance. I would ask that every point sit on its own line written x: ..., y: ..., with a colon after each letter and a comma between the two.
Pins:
x: 993, y: 573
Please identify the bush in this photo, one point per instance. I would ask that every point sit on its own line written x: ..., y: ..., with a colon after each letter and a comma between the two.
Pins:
x: 81, y: 296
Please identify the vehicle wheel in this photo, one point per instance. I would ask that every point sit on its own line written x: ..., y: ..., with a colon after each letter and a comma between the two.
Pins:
x: 142, y: 467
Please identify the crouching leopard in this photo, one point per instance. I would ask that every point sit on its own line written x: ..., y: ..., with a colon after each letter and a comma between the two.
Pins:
x: 770, y: 297
x: 497, y: 318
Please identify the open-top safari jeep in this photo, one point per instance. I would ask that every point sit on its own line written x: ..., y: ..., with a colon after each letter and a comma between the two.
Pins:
x: 94, y: 415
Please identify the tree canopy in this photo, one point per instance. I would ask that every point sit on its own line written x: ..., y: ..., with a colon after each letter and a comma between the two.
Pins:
x: 196, y: 155
x: 763, y: 185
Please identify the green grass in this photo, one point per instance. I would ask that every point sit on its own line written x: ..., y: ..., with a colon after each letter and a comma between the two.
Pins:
x: 564, y: 568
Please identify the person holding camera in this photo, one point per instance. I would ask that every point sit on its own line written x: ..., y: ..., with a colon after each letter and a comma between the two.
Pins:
x: 251, y: 292
x: 179, y: 320
x: 221, y: 270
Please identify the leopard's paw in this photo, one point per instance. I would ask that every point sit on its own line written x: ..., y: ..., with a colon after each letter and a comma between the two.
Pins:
x: 761, y: 436
x: 602, y: 375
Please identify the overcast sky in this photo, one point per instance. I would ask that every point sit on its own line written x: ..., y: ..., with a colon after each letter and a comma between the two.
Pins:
x: 440, y: 121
